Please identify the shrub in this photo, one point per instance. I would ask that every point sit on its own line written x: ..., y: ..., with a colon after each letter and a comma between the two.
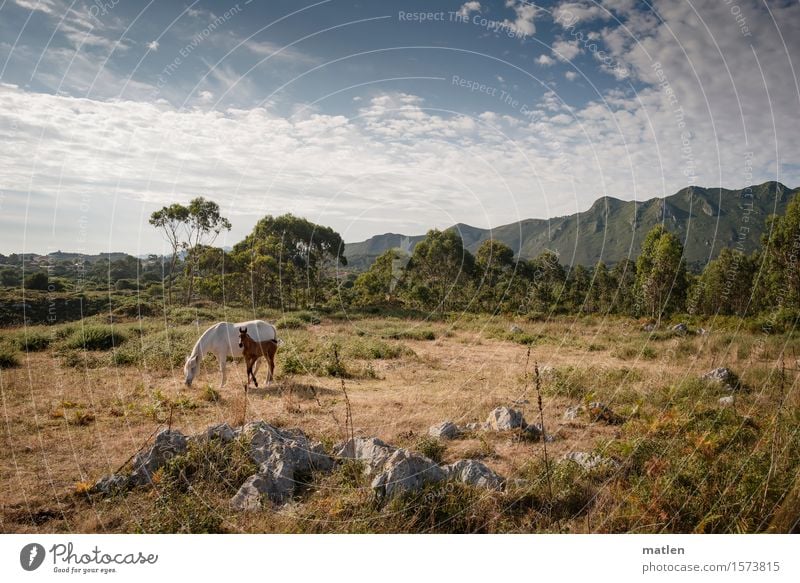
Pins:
x: 412, y: 334
x: 31, y: 341
x: 8, y: 357
x: 431, y: 447
x: 371, y: 349
x: 290, y: 323
x: 95, y: 337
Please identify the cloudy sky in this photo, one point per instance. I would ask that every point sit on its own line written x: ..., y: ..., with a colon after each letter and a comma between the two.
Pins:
x: 376, y: 116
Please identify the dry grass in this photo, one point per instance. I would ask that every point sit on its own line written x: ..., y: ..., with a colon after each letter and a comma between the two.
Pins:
x: 71, y: 424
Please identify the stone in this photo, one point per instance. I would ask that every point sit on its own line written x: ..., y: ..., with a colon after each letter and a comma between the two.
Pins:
x: 702, y: 331
x: 473, y: 426
x: 372, y: 451
x: 572, y: 413
x: 167, y: 445
x: 534, y: 431
x: 723, y: 376
x: 680, y: 328
x: 728, y: 401
x: 589, y: 461
x: 601, y: 412
x: 284, y: 457
x: 503, y: 418
x: 445, y: 430
x: 110, y: 484
x: 222, y: 431
x: 514, y: 329
x: 648, y: 327
x: 406, y: 471
x: 474, y: 473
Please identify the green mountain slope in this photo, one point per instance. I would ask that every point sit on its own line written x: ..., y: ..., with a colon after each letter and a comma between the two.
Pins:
x: 705, y: 219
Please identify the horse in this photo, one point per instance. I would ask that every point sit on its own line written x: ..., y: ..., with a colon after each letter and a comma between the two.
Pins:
x: 253, y: 350
x: 222, y: 339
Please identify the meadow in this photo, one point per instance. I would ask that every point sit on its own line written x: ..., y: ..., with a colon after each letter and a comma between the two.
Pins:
x: 80, y: 398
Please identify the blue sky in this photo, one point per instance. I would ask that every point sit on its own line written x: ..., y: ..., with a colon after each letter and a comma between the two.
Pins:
x: 380, y: 116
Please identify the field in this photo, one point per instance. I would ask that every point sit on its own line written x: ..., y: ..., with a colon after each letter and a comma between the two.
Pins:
x: 79, y: 399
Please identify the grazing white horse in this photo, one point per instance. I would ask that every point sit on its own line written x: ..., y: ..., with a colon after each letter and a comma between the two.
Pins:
x: 223, y: 340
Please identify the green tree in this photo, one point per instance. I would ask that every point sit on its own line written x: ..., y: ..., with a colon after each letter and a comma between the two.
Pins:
x: 37, y: 280
x: 9, y: 277
x: 286, y: 261
x: 377, y: 285
x: 204, y: 223
x: 494, y: 272
x: 547, y: 281
x: 439, y: 270
x: 172, y: 221
x: 726, y: 285
x: 660, y: 273
x: 623, y: 296
x: 781, y: 241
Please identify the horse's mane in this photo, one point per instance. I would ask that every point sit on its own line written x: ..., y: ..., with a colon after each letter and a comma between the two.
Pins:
x: 196, y: 347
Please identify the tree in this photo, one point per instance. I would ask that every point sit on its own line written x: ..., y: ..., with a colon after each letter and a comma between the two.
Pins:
x: 9, y: 277
x: 660, y: 273
x: 37, y: 280
x: 547, y: 278
x: 171, y: 220
x: 781, y: 241
x: 286, y: 261
x: 377, y: 285
x: 204, y: 223
x: 494, y: 270
x: 726, y: 284
x: 438, y: 270
x: 623, y: 296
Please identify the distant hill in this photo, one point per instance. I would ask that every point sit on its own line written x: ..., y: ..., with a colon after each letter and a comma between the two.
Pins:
x: 705, y: 219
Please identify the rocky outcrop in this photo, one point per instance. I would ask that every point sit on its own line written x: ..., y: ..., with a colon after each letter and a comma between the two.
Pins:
x: 503, y: 419
x: 725, y: 377
x: 445, y: 430
x: 474, y: 473
x: 167, y: 445
x: 590, y: 461
x: 406, y: 471
x: 371, y: 451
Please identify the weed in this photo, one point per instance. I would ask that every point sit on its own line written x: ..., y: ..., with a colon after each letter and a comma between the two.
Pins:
x: 431, y: 447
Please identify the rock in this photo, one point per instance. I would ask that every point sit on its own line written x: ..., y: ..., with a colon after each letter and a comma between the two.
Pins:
x: 372, y: 451
x: 680, y: 328
x: 728, y: 401
x: 702, y: 331
x: 534, y: 431
x: 546, y: 371
x: 723, y: 376
x: 589, y: 461
x: 503, y: 418
x: 284, y: 457
x: 405, y: 471
x: 572, y: 413
x: 474, y: 473
x: 602, y: 412
x: 514, y: 329
x: 648, y: 327
x: 222, y: 431
x: 168, y: 444
x: 473, y: 426
x: 110, y: 484
x: 445, y: 430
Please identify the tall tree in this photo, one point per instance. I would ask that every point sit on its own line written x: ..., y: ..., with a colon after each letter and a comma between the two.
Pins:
x: 204, y: 223
x: 781, y: 240
x: 726, y: 285
x: 438, y: 270
x: 377, y: 285
x: 661, y: 273
x: 172, y: 221
x: 494, y: 270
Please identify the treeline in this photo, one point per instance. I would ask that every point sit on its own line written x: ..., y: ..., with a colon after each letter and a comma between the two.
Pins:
x: 288, y: 262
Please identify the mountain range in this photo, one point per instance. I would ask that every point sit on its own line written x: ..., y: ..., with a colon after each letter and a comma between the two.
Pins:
x: 705, y: 219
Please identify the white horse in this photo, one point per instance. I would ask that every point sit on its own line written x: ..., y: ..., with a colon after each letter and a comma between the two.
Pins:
x: 222, y: 339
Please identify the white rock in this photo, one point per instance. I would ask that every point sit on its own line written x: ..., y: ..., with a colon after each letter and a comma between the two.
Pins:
x: 372, y: 451
x: 474, y: 473
x: 503, y: 418
x: 405, y: 471
x: 445, y: 430
x: 728, y: 401
x: 589, y: 461
x: 167, y: 445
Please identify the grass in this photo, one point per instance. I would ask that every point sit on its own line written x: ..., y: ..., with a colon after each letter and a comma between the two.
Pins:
x: 8, y: 357
x: 95, y: 337
x: 32, y: 341
x: 685, y: 463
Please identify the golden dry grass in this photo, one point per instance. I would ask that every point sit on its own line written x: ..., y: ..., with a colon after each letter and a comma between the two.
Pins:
x: 65, y: 426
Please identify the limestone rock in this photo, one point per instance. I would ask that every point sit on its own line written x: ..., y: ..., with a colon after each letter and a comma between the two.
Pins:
x: 474, y: 473
x: 589, y: 461
x: 406, y: 471
x: 372, y: 451
x: 503, y: 418
x: 110, y: 484
x: 168, y: 444
x: 680, y: 328
x: 445, y: 430
x: 723, y: 376
x: 574, y: 412
x: 728, y: 401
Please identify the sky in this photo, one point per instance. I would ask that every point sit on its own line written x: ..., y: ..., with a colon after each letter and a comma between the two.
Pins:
x: 374, y: 117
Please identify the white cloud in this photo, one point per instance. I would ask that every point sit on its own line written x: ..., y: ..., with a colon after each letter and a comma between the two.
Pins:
x: 468, y: 8
x: 153, y: 45
x: 571, y: 13
x: 571, y: 75
x: 566, y: 50
x: 545, y: 60
x: 46, y: 6
x: 523, y: 24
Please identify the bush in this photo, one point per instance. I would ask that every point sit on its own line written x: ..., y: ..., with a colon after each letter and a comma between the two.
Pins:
x: 412, y: 334
x: 431, y: 447
x: 31, y: 341
x: 8, y: 357
x: 371, y: 349
x: 290, y: 323
x: 96, y: 337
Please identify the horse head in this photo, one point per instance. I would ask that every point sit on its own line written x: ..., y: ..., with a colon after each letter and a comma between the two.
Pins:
x: 190, y: 369
x: 242, y: 336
